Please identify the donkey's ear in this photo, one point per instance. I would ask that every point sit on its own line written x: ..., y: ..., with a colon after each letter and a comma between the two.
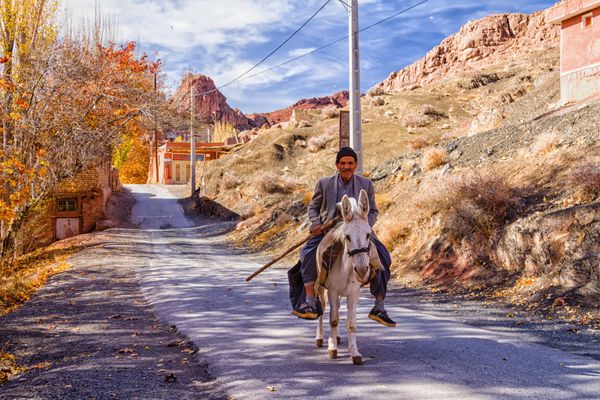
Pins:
x: 363, y: 203
x: 346, y: 209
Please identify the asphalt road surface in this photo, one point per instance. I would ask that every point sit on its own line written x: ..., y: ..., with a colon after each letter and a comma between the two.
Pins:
x: 257, y: 350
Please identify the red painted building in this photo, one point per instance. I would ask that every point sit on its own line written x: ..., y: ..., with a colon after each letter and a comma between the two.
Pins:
x: 579, y: 47
x: 174, y: 161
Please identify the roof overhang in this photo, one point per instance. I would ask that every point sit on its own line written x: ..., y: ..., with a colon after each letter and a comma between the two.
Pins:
x: 568, y: 9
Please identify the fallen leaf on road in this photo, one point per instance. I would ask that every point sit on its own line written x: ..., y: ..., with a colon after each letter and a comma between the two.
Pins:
x: 271, y: 388
x: 170, y: 378
x: 127, y: 351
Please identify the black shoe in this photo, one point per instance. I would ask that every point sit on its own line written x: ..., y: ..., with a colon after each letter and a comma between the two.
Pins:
x: 306, y: 312
x: 381, y: 317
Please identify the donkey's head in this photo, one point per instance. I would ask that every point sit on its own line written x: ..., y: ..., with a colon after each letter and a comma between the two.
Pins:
x: 357, y: 234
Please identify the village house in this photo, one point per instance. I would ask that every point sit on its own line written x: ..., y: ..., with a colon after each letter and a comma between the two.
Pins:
x: 79, y: 203
x: 579, y: 47
x: 174, y: 160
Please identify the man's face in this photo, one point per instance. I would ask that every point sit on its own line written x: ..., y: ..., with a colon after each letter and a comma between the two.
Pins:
x: 346, y: 167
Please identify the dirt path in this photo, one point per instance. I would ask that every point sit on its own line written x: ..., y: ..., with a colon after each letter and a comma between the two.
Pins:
x: 90, y: 334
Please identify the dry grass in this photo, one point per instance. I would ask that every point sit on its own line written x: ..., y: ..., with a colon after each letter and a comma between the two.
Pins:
x: 392, y: 233
x: 419, y: 143
x: 306, y: 198
x: 428, y: 109
x: 546, y: 143
x: 416, y: 121
x: 267, y: 236
x: 377, y: 102
x: 318, y: 143
x: 461, y: 221
x: 19, y: 280
x: 473, y: 206
x: 8, y: 366
x: 375, y: 91
x: 434, y: 158
x: 383, y: 201
x: 585, y: 182
x: 330, y: 112
x: 271, y: 184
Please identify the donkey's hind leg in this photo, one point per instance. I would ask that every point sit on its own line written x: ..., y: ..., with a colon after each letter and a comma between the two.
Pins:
x: 334, y: 319
x: 320, y: 334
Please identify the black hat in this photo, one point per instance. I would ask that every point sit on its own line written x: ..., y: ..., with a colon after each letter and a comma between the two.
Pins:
x: 345, y: 151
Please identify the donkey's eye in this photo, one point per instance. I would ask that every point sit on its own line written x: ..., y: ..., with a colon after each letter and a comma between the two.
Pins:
x: 347, y: 237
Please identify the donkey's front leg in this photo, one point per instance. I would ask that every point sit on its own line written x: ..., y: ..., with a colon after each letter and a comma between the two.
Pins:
x: 334, y: 319
x: 351, y: 326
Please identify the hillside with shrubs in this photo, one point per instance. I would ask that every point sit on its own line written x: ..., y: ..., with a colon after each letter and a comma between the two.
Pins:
x: 485, y: 184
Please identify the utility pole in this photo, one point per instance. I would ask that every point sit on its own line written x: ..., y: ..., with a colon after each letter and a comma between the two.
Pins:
x: 355, y: 118
x: 192, y: 144
x: 155, y: 135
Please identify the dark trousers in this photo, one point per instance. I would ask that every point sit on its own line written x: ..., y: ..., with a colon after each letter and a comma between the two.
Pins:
x: 378, y: 284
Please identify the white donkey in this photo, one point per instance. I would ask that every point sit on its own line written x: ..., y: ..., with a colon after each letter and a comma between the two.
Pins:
x: 349, y: 271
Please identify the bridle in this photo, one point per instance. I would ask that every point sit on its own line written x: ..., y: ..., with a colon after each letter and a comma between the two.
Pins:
x: 361, y: 250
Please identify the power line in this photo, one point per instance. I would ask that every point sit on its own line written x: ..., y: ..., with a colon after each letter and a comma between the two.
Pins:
x: 326, y: 45
x: 272, y: 52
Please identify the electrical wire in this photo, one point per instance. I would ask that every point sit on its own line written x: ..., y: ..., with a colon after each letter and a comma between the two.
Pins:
x: 271, y: 53
x: 330, y: 43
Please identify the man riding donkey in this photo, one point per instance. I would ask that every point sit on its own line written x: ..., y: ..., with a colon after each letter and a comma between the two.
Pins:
x: 321, y: 210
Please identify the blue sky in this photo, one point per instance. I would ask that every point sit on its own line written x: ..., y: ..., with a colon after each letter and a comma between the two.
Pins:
x: 223, y: 38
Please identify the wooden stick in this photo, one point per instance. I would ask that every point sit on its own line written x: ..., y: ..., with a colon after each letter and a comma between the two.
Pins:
x: 325, y: 227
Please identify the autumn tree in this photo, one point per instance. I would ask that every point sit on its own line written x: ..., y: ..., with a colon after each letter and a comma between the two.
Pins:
x: 88, y: 103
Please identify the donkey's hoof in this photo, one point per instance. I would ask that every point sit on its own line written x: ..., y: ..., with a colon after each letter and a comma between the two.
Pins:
x: 339, y: 340
x: 319, y: 342
x: 332, y: 354
x: 357, y: 360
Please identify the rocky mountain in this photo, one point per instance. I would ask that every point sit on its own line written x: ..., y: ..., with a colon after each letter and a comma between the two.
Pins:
x: 209, y: 106
x: 478, y: 43
x: 213, y: 105
x: 337, y: 100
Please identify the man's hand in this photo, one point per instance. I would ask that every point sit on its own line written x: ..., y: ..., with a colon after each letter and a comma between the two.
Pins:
x: 316, y: 229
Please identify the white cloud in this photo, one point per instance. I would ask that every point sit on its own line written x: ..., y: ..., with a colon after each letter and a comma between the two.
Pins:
x: 180, y: 25
x: 300, y: 51
x: 224, y: 38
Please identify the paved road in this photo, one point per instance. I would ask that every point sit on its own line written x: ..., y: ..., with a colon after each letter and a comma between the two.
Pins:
x: 253, y: 344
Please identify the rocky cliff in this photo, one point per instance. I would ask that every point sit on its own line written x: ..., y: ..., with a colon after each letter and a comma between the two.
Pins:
x: 337, y: 100
x: 209, y: 106
x: 478, y: 44
x: 213, y: 105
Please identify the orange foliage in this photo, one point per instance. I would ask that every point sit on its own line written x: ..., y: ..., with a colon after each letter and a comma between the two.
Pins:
x: 135, y: 167
x: 13, y: 190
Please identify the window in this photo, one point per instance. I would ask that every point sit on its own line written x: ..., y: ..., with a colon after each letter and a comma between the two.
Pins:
x: 586, y: 20
x: 66, y: 204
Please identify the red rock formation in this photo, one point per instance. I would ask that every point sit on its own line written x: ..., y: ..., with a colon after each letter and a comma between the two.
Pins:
x: 208, y: 106
x: 339, y: 100
x: 482, y: 42
x: 214, y: 104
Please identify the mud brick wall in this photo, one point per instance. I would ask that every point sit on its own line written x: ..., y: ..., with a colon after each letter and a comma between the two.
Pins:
x: 92, y: 188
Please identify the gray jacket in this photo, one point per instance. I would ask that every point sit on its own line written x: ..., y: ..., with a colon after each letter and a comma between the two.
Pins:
x: 322, y: 206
